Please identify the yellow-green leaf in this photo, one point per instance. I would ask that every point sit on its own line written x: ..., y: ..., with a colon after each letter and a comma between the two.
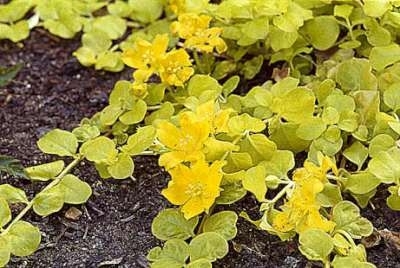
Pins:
x: 45, y: 172
x: 100, y: 149
x: 49, y: 201
x: 5, y: 212
x: 24, y: 238
x: 75, y: 190
x: 254, y: 182
x: 59, y: 142
x: 5, y: 251
x: 122, y: 168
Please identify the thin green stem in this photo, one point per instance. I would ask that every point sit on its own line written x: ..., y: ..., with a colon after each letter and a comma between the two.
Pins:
x: 281, y: 193
x: 49, y: 186
x: 348, y: 237
x: 157, y: 107
x: 145, y: 153
x: 204, y: 219
x: 134, y: 24
x: 198, y: 62
x: 234, y: 142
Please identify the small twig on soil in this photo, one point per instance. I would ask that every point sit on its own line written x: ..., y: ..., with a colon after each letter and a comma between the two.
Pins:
x: 86, y: 212
x: 111, y: 262
x: 259, y: 254
x: 47, y: 245
x: 372, y: 205
x: 86, y: 232
x: 52, y: 37
x: 134, y: 209
x: 58, y: 237
x: 128, y: 219
x: 99, y: 212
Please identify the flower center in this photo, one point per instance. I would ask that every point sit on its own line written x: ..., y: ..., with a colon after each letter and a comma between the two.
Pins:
x: 185, y: 141
x: 194, y: 189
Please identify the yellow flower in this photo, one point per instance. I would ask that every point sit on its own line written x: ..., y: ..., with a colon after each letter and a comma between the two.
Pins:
x: 186, y: 143
x: 301, y: 211
x: 197, y: 34
x: 175, y: 68
x: 139, y: 89
x: 319, y: 172
x: 145, y: 55
x: 190, y: 24
x: 139, y: 83
x: 184, y: 6
x: 177, y: 6
x: 314, y: 219
x: 195, y: 188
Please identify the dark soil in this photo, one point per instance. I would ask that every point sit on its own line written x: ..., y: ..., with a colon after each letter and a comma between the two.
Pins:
x: 54, y: 91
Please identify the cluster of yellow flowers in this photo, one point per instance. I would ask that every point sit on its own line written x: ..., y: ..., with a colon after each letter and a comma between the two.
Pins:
x: 173, y: 67
x: 194, y: 183
x: 302, y: 210
x: 196, y: 31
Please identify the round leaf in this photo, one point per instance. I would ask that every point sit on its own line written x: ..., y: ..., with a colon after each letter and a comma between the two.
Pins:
x: 347, y: 217
x: 100, y: 149
x: 122, y: 168
x: 356, y: 153
x: 356, y: 74
x: 297, y: 105
x: 230, y: 194
x: 113, y: 26
x: 24, y: 238
x: 393, y: 201
x: 135, y: 115
x: 46, y: 171
x: 362, y: 183
x: 75, y: 190
x: 122, y: 94
x: 209, y: 245
x: 322, y: 31
x: 5, y: 212
x: 223, y: 223
x: 110, y: 114
x: 12, y: 194
x: 96, y: 41
x: 391, y: 96
x: 49, y: 201
x: 170, y: 223
x: 311, y: 128
x: 244, y: 122
x: 59, y: 142
x: 385, y: 165
x: 5, y: 251
x: 140, y: 141
x: 315, y: 244
x: 381, y: 57
x: 174, y: 249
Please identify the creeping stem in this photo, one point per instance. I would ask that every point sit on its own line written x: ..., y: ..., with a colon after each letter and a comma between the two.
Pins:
x: 56, y: 180
x: 281, y: 193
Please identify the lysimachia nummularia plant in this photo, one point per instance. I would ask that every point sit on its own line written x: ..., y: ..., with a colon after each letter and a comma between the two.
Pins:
x: 200, y: 99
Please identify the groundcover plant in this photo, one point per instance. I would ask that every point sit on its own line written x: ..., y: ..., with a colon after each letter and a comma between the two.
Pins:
x: 334, y: 94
